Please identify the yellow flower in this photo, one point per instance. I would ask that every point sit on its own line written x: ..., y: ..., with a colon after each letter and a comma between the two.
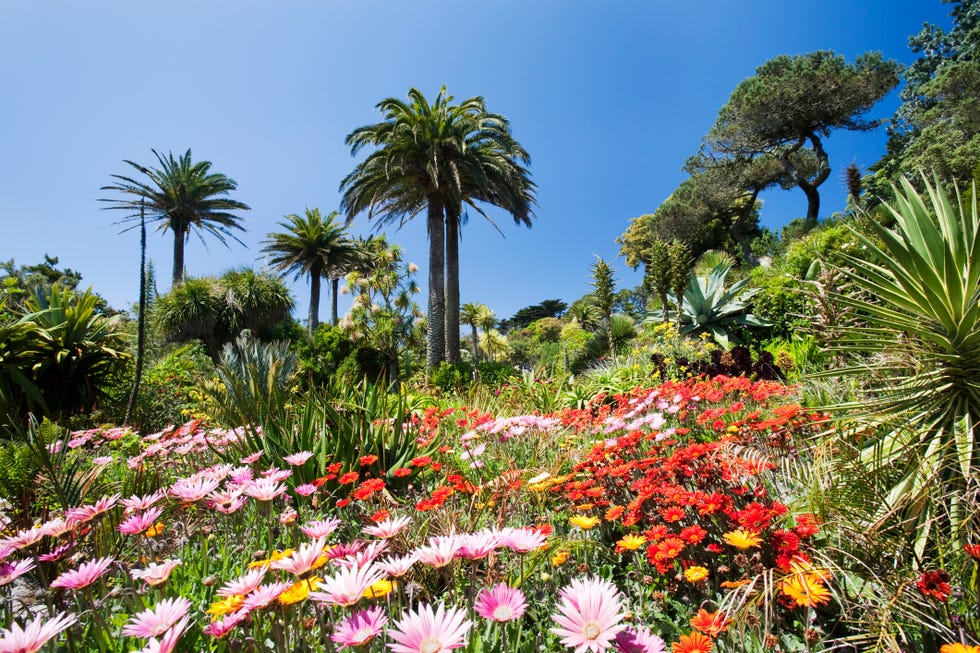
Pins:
x: 742, y: 539
x: 695, y: 574
x: 805, y: 589
x: 154, y: 530
x: 559, y: 558
x: 630, y: 542
x: 225, y: 606
x: 959, y: 648
x: 276, y: 555
x: 584, y: 522
x: 299, y: 590
x: 584, y: 506
x: 379, y: 589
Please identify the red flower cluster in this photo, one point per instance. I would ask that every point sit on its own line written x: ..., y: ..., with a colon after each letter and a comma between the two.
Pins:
x: 934, y: 584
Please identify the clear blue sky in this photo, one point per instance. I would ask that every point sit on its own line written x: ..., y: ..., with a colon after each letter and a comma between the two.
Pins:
x: 609, y: 99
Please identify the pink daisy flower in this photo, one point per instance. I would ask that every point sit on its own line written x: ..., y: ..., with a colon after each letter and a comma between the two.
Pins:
x: 298, y: 458
x: 343, y: 550
x: 522, y: 540
x: 500, y: 603
x: 138, y: 523
x: 241, y: 475
x: 320, y: 528
x: 155, y: 573
x: 388, y: 527
x: 194, y: 489
x: 426, y: 631
x: 158, y: 619
x: 639, y: 640
x: 365, y: 556
x: 243, y: 584
x: 30, y: 639
x: 440, y: 550
x: 306, y: 489
x: 251, y: 458
x: 360, y: 628
x: 86, y: 574
x: 135, y: 503
x: 11, y: 570
x: 277, y: 474
x: 396, y: 567
x: 23, y: 538
x: 82, y: 514
x: 168, y: 642
x: 303, y: 560
x: 264, y: 489
x: 347, y: 586
x: 57, y: 553
x: 478, y: 545
x: 221, y: 627
x: 590, y: 615
x: 263, y: 595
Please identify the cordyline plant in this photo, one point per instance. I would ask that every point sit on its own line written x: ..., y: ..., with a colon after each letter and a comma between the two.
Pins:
x: 919, y: 338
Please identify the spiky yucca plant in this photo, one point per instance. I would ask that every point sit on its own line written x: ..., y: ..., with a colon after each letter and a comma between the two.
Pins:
x: 917, y: 341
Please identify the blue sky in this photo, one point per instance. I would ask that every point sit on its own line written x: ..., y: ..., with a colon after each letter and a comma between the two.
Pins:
x: 608, y: 98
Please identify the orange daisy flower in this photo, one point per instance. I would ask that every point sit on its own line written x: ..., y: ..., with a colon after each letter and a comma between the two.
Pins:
x: 692, y: 643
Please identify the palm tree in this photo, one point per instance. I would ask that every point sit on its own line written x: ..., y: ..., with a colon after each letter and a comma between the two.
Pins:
x: 474, y: 314
x: 180, y: 196
x: 437, y: 157
x: 314, y: 245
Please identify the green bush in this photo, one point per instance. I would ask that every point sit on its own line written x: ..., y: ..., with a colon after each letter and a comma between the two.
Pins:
x: 452, y: 376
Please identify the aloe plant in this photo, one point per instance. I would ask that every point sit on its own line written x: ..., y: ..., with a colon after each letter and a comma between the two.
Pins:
x: 709, y: 307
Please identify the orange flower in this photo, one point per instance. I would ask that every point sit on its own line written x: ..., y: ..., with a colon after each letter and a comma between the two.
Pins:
x: 154, y: 530
x: 973, y: 550
x: 959, y: 648
x: 614, y: 513
x: 695, y: 574
x: 710, y: 623
x: 692, y: 643
x: 559, y: 558
x: 805, y: 588
x: 742, y: 539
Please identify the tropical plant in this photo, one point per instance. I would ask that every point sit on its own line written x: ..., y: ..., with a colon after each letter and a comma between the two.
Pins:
x: 604, y: 297
x: 216, y: 310
x: 475, y: 314
x: 180, y: 196
x: 709, y: 307
x: 436, y: 157
x: 919, y: 318
x: 317, y: 246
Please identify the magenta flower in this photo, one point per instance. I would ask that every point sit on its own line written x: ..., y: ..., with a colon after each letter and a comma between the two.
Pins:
x: 639, y: 640
x: 82, y: 514
x: 522, y: 540
x: 86, y: 574
x: 478, y: 545
x: 23, y: 538
x: 298, y: 458
x: 158, y: 619
x: 500, y: 603
x: 363, y: 557
x: 388, y: 527
x: 11, y: 570
x: 221, y: 627
x: 590, y: 615
x: 140, y: 522
x: 426, y: 631
x: 135, y: 503
x: 155, y: 573
x: 251, y: 458
x: 30, y: 639
x: 347, y: 587
x: 360, y: 628
x: 306, y: 489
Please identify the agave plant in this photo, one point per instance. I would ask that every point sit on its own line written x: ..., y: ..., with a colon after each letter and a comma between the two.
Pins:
x: 919, y: 341
x: 709, y: 307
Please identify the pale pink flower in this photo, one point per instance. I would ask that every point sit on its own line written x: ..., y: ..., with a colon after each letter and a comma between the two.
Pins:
x: 263, y: 595
x: 138, y: 523
x: 343, y: 550
x: 428, y: 631
x: 348, y: 585
x: 277, y: 474
x: 225, y: 497
x: 194, y: 489
x: 241, y: 475
x: 157, y: 620
x: 303, y: 560
x: 500, y: 603
x: 155, y: 573
x: 243, y: 584
x: 288, y: 516
x: 298, y: 458
x: 478, y: 545
x: 23, y: 538
x: 251, y: 458
x: 320, y: 528
x: 590, y: 615
x: 388, y: 527
x: 440, y: 550
x: 57, y: 527
x: 396, y: 567
x: 11, y: 570
x: 264, y: 489
x: 100, y: 461
x: 82, y: 514
x: 221, y: 627
x: 86, y: 574
x: 639, y: 640
x: 168, y: 642
x: 135, y: 503
x: 364, y: 556
x: 306, y: 489
x: 360, y: 628
x: 522, y: 540
x: 30, y: 639
x: 230, y: 508
x: 57, y: 553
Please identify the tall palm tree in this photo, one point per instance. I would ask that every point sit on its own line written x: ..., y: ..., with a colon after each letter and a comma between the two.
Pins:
x: 180, y: 196
x: 436, y: 157
x: 317, y: 246
x: 473, y: 313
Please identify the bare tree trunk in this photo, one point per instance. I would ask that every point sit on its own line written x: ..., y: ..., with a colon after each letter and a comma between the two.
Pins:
x: 140, y: 323
x: 435, y: 345
x: 314, y: 317
x: 452, y: 284
x: 178, y: 271
x: 334, y: 291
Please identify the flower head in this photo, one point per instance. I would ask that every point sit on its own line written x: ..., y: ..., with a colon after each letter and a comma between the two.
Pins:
x: 428, y: 631
x: 693, y: 643
x: 584, y: 522
x: 500, y: 603
x: 298, y: 458
x: 934, y: 584
x: 348, y: 585
x: 695, y: 574
x: 709, y: 623
x: 37, y: 633
x: 742, y: 539
x: 590, y: 615
x: 630, y: 542
x: 155, y: 573
x: 360, y: 628
x: 158, y: 619
x: 388, y: 527
x: 639, y: 640
x: 86, y: 574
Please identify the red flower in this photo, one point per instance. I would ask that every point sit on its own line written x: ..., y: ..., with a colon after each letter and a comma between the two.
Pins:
x: 973, y: 550
x: 673, y: 514
x: 349, y: 477
x: 693, y: 534
x: 934, y: 584
x: 368, y: 460
x: 381, y: 515
x: 401, y: 472
x: 421, y: 461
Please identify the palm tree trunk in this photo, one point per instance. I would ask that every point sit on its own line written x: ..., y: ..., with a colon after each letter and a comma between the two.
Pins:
x: 180, y: 236
x: 452, y: 284
x: 334, y: 290
x: 140, y: 323
x: 476, y: 345
x: 435, y: 346
x: 314, y: 317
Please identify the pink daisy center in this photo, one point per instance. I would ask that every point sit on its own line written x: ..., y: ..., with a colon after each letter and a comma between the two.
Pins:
x: 430, y: 645
x: 503, y: 613
x: 591, y: 629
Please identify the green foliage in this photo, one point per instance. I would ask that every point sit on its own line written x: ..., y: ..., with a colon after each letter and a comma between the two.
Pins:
x: 320, y: 356
x: 709, y: 307
x: 452, y: 376
x: 169, y: 392
x: 780, y: 302
x: 525, y: 316
x: 920, y: 319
